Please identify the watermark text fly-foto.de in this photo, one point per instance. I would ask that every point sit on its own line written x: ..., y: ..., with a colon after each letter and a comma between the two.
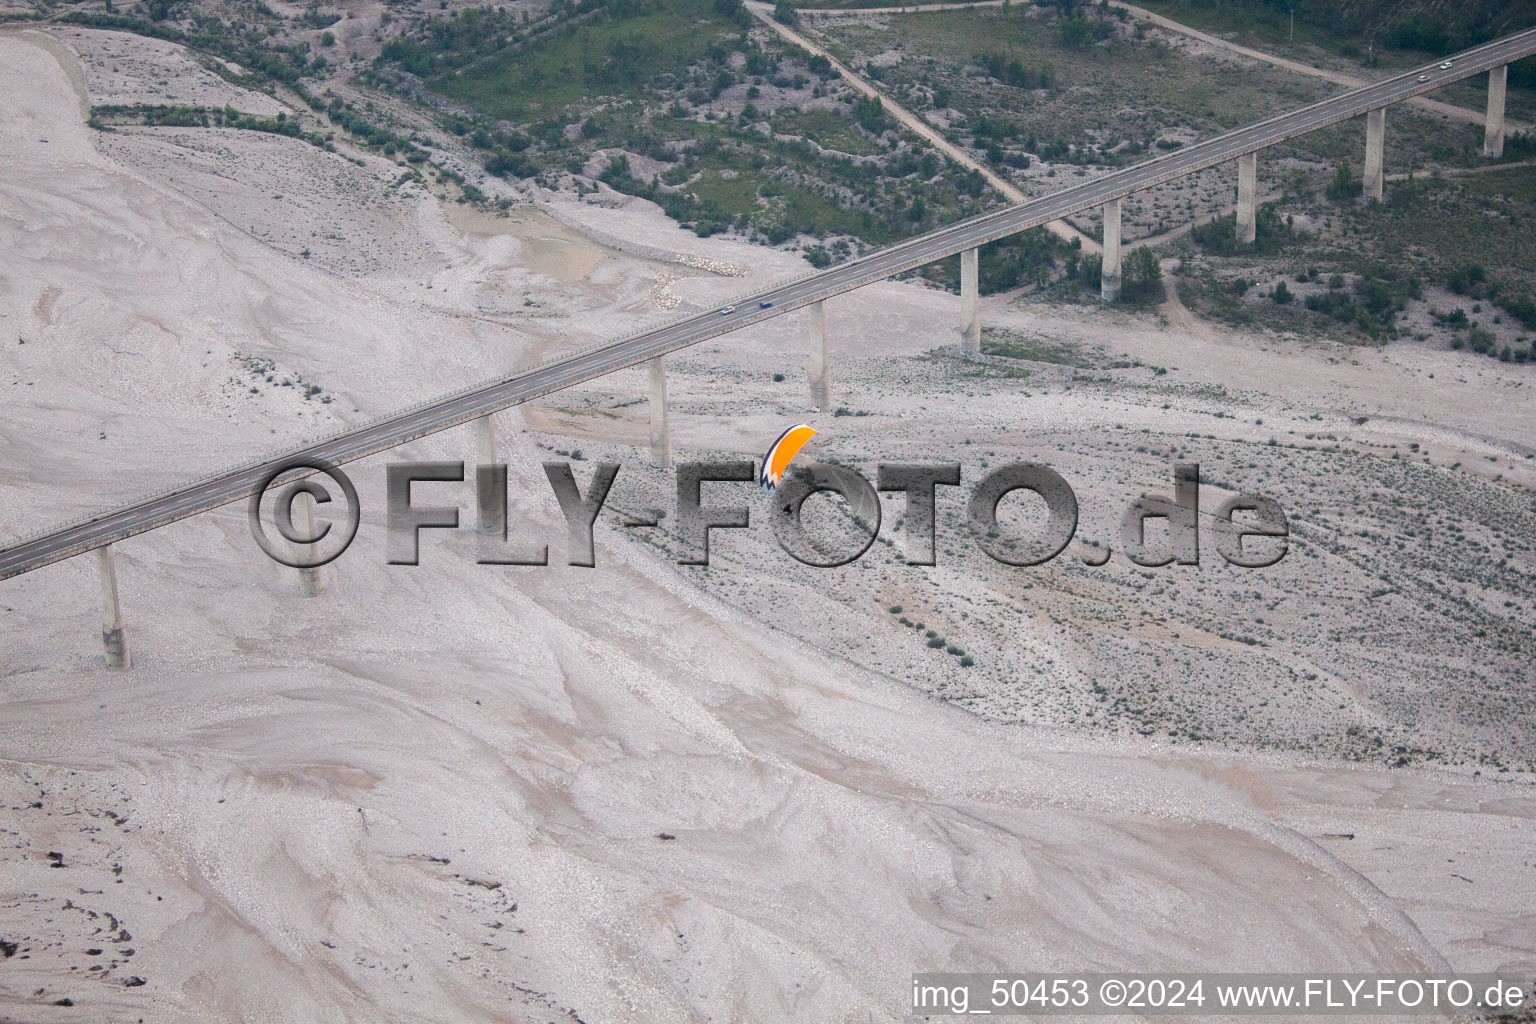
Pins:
x: 1250, y: 531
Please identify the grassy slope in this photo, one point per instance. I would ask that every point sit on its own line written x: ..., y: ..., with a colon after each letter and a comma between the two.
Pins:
x: 1134, y: 91
x: 1368, y: 37
x: 569, y: 66
x: 1118, y: 92
x: 665, y: 79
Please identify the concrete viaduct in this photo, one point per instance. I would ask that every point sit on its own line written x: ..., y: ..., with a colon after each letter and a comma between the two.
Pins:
x: 100, y: 532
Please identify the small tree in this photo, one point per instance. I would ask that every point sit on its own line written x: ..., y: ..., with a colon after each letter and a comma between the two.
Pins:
x: 1142, y: 283
x: 1343, y: 186
x: 1075, y: 32
x: 784, y: 12
x: 1090, y: 270
x: 1282, y: 294
x: 868, y: 112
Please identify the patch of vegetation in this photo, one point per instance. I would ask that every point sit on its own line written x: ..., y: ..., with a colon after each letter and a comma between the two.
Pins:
x: 1467, y: 235
x: 1011, y: 71
x: 1344, y: 187
x: 482, y: 58
x: 248, y: 45
x: 367, y: 132
x: 996, y: 341
x: 255, y: 52
x: 1219, y: 236
x: 1005, y: 85
x: 177, y: 116
x: 1361, y: 29
x: 1032, y: 257
x: 1141, y: 277
x: 833, y: 131
x: 678, y: 88
x: 1371, y: 306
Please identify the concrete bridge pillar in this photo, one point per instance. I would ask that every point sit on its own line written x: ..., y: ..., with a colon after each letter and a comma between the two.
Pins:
x: 1375, y: 146
x: 1493, y: 133
x: 818, y: 367
x: 1247, y: 198
x: 970, y: 319
x: 309, y: 577
x: 1109, y: 275
x: 661, y: 436
x: 112, y: 637
x: 485, y: 453
x: 485, y: 440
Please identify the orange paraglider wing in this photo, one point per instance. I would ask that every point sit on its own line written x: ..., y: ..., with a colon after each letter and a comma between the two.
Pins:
x: 781, y: 452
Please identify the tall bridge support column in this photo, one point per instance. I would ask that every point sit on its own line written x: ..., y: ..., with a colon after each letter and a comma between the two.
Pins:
x: 1375, y: 146
x: 485, y: 453
x: 970, y: 319
x: 818, y: 366
x: 485, y: 440
x: 309, y: 576
x: 112, y: 637
x: 1493, y: 133
x: 661, y: 436
x: 1247, y: 198
x: 1109, y: 275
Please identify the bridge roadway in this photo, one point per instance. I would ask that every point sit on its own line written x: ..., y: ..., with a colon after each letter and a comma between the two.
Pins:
x: 162, y: 509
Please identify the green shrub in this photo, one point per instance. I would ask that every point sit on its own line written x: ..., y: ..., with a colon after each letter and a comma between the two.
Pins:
x: 1344, y: 185
x: 1141, y: 281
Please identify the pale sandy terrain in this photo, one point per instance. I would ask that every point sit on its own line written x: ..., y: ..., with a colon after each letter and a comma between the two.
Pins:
x: 640, y: 792
x: 126, y: 69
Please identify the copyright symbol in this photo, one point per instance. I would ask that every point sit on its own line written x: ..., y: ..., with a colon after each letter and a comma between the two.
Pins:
x: 301, y: 478
x: 1112, y: 992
